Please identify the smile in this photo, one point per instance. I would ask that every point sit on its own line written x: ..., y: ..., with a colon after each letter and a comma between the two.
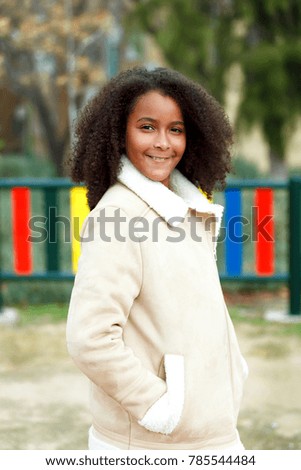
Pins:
x: 159, y: 159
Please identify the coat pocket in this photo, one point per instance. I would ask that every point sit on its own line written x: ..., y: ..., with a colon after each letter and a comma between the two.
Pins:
x: 164, y: 415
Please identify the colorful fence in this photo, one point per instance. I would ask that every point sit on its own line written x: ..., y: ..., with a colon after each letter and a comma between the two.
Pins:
x: 263, y: 236
x: 32, y: 212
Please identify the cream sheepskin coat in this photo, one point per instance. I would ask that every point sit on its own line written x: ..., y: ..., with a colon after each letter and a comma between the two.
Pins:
x: 147, y: 321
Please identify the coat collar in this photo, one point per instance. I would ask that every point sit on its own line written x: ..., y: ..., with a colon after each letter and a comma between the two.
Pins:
x: 173, y: 205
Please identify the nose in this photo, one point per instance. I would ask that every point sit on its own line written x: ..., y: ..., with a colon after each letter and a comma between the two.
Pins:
x: 162, y: 142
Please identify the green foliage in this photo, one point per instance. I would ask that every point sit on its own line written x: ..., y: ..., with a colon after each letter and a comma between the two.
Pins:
x: 190, y: 34
x: 32, y: 293
x: 243, y: 168
x: 202, y: 40
x: 270, y: 57
x: 265, y: 100
x: 13, y: 166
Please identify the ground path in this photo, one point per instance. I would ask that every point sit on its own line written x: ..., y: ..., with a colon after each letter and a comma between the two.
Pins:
x: 44, y: 399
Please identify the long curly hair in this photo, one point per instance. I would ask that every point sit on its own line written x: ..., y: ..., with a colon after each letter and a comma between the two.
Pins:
x: 101, y: 127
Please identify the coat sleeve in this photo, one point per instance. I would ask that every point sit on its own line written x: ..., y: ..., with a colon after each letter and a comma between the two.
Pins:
x: 107, y: 282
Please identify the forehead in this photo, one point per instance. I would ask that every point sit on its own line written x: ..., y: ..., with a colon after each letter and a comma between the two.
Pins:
x: 155, y: 102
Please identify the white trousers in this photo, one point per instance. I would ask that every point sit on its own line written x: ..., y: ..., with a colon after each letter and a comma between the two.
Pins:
x: 97, y: 444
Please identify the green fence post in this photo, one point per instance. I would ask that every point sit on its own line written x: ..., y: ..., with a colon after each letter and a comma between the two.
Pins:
x: 295, y: 245
x: 1, y: 295
x: 1, y: 298
x: 52, y: 243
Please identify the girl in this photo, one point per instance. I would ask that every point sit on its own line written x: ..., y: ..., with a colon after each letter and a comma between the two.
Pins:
x: 147, y: 321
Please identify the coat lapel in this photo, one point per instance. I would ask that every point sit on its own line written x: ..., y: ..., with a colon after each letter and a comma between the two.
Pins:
x: 169, y: 204
x: 165, y: 202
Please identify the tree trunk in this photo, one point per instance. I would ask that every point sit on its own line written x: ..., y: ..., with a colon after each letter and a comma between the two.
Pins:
x: 57, y: 151
x: 278, y: 168
x: 56, y: 141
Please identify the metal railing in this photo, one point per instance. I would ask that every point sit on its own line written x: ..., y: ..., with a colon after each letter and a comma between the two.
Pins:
x: 18, y: 196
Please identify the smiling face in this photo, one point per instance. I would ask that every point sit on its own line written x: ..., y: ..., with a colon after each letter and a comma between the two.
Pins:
x: 155, y: 136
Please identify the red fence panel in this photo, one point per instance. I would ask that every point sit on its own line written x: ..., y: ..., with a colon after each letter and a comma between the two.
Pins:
x: 22, y: 248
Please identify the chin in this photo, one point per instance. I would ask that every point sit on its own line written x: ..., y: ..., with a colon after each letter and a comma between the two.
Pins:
x: 159, y: 178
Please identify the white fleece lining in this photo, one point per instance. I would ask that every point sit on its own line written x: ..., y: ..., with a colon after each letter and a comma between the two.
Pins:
x: 170, y: 204
x: 165, y: 413
x: 167, y: 203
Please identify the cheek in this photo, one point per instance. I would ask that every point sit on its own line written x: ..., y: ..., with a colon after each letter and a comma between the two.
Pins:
x: 130, y: 143
x: 136, y: 142
x: 181, y: 146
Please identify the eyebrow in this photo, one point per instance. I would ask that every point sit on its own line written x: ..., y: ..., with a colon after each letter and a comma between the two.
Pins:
x: 146, y: 118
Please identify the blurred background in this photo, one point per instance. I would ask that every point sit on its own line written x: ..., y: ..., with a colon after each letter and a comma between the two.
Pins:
x: 54, y: 55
